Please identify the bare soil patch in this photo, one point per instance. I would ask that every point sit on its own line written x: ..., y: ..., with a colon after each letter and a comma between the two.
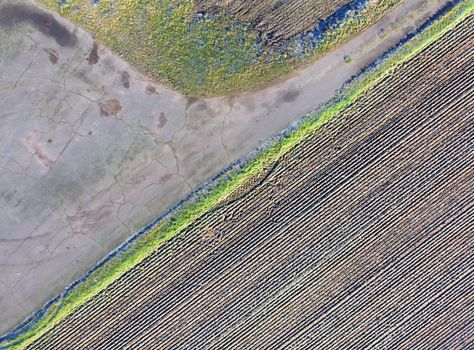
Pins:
x: 109, y: 107
x: 275, y: 18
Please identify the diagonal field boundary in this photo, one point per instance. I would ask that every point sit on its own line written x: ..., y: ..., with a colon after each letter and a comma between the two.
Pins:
x: 227, y: 183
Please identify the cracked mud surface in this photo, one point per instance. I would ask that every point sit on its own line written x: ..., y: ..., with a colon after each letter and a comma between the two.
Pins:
x: 91, y: 151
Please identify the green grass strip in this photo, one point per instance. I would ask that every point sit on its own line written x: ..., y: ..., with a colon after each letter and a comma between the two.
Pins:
x: 117, y: 266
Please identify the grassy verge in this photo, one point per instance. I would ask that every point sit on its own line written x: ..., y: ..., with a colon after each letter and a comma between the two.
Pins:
x: 111, y: 269
x: 207, y: 55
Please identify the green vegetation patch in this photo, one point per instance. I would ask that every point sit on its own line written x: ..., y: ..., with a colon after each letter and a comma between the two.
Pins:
x: 115, y: 267
x: 200, y: 54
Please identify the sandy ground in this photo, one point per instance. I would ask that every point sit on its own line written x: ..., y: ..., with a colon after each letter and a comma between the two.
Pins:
x: 91, y: 150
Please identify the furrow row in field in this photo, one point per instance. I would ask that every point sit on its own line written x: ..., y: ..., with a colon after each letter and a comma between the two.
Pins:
x: 282, y: 247
x: 394, y: 223
x: 285, y: 273
x: 360, y: 309
x: 338, y: 263
x: 229, y: 341
x: 449, y: 329
x: 195, y: 293
x: 276, y: 19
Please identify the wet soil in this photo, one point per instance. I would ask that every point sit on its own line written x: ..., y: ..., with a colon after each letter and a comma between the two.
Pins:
x: 13, y: 14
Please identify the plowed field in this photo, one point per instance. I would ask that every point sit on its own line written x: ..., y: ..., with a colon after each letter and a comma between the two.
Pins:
x: 360, y: 238
x: 281, y: 19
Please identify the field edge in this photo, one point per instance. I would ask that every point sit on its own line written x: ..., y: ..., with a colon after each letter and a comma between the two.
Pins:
x: 225, y: 184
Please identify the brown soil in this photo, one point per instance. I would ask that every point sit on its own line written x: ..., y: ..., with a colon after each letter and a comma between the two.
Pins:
x: 276, y: 19
x: 93, y: 57
x: 109, y: 107
x: 52, y: 55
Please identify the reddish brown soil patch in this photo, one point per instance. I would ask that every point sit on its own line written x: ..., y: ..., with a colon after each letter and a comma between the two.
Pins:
x: 109, y: 107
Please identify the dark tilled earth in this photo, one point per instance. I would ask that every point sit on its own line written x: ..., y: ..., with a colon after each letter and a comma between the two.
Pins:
x: 276, y: 19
